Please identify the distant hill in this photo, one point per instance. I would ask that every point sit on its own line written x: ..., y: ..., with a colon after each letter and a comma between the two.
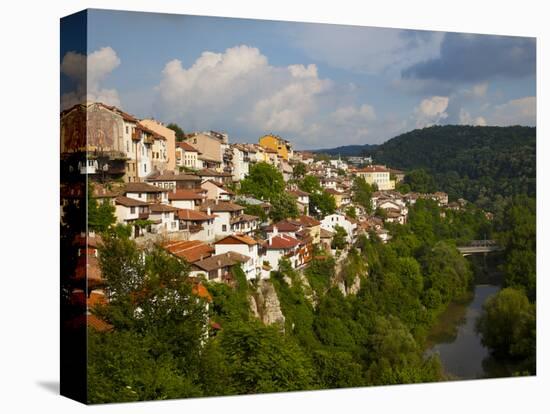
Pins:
x: 476, y: 163
x: 347, y: 150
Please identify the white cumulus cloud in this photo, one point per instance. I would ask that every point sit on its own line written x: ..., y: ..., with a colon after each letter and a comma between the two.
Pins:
x: 467, y: 119
x: 239, y: 85
x: 522, y: 111
x: 431, y: 111
x: 88, y: 73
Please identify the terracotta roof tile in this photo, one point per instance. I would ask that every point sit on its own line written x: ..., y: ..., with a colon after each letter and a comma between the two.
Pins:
x: 242, y: 238
x: 129, y: 202
x: 221, y: 261
x: 142, y: 188
x: 281, y: 242
x: 186, y: 214
x: 185, y: 194
x: 190, y: 250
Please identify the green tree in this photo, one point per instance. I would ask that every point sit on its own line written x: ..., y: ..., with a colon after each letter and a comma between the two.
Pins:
x: 299, y: 170
x: 508, y: 326
x: 322, y: 203
x: 180, y: 134
x: 339, y: 239
x: 420, y: 181
x: 283, y: 206
x: 351, y: 212
x: 517, y: 228
x: 254, y: 210
x: 264, y: 181
x: 310, y: 184
x: 394, y: 357
x: 261, y: 359
x: 362, y: 193
x: 101, y: 215
x: 123, y: 366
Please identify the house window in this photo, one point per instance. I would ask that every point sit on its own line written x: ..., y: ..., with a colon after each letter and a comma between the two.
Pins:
x: 127, y: 145
x: 127, y: 129
x: 144, y: 167
x: 224, y: 227
x: 132, y: 210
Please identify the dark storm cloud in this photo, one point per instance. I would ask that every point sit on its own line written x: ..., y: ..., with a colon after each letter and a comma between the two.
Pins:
x: 472, y: 58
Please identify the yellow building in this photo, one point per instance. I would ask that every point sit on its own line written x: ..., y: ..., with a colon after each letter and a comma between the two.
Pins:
x: 282, y: 146
x: 377, y: 174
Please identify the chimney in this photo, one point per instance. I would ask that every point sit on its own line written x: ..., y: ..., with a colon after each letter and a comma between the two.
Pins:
x: 219, y: 262
x: 208, y: 211
x: 275, y: 231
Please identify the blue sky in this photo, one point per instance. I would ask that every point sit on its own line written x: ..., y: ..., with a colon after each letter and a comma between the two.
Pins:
x: 316, y: 85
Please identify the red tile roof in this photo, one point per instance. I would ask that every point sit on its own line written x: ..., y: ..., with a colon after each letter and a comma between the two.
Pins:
x: 161, y: 208
x: 142, y: 188
x: 186, y: 214
x: 187, y: 147
x: 184, y: 194
x: 221, y: 260
x: 190, y: 250
x: 281, y: 241
x: 284, y: 226
x: 373, y: 168
x: 172, y: 176
x: 240, y: 238
x: 129, y: 202
x: 221, y: 206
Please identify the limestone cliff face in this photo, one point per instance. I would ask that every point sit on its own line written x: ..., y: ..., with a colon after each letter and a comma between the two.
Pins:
x: 265, y: 304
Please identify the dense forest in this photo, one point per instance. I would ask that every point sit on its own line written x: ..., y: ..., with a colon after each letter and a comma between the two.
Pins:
x: 347, y: 150
x: 158, y: 348
x: 332, y: 336
x: 480, y: 164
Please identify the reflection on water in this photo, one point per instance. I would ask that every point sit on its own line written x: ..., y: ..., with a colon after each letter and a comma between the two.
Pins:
x: 459, y: 346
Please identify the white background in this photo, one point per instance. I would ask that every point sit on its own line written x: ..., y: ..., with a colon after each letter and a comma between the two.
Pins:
x: 29, y: 252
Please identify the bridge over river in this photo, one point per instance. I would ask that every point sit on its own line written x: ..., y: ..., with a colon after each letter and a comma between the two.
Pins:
x: 479, y: 247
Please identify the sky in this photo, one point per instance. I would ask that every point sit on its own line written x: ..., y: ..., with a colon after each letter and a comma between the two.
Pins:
x: 317, y: 85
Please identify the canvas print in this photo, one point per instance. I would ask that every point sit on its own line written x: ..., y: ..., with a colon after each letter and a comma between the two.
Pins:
x: 257, y: 206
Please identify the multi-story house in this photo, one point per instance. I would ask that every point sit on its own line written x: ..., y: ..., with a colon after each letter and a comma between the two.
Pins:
x: 169, y: 140
x: 246, y: 246
x: 218, y: 268
x: 244, y: 223
x: 197, y: 225
x: 146, y: 192
x: 164, y: 218
x: 216, y: 191
x: 282, y: 146
x: 131, y: 212
x: 187, y: 156
x: 171, y: 180
x: 225, y: 212
x: 220, y: 177
x: 377, y: 174
x: 279, y: 246
x: 92, y: 141
x: 302, y: 200
x: 240, y: 161
x: 341, y: 198
x: 349, y: 225
x: 188, y: 199
x: 211, y: 145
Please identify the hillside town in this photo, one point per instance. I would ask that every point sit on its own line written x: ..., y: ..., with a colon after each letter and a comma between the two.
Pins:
x: 185, y: 195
